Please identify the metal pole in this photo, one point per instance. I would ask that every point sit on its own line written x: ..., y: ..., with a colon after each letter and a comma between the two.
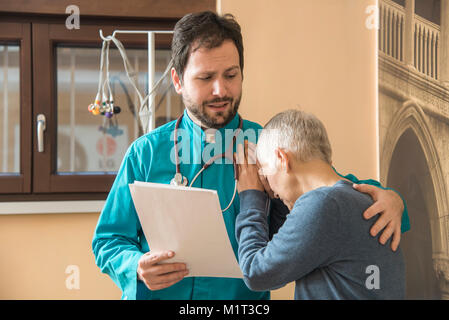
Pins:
x: 151, y: 81
x: 136, y: 98
x: 5, y: 109
x: 168, y: 101
x: 151, y: 66
x: 72, y: 109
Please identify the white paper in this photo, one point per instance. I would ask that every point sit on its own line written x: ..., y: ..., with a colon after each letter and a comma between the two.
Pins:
x: 189, y: 222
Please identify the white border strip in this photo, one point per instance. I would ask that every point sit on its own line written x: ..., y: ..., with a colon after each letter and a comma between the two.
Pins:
x: 51, y: 207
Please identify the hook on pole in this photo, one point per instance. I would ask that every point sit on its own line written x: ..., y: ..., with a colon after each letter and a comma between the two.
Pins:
x: 104, y: 38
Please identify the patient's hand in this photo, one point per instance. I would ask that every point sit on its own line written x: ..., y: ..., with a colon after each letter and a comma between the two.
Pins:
x: 267, y: 187
x: 248, y: 177
x: 390, y: 206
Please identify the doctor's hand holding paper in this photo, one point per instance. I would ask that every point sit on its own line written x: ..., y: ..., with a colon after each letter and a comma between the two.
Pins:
x: 157, y: 276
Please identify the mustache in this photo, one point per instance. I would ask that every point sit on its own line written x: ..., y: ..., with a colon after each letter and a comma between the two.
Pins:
x: 217, y: 100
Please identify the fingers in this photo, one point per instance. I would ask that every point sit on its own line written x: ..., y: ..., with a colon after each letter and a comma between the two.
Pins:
x: 162, y: 285
x: 386, y: 234
x: 373, y: 210
x: 150, y: 264
x: 251, y: 152
x: 169, y: 277
x: 248, y: 175
x: 241, y: 159
x: 151, y: 258
x: 366, y: 188
x: 379, y: 225
x: 246, y: 153
x: 163, y: 279
x: 157, y: 275
x: 161, y: 269
x: 396, y: 238
x: 166, y: 281
x: 391, y: 230
x: 236, y: 167
x: 390, y: 214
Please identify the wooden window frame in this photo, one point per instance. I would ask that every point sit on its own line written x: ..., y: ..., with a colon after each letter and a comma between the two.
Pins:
x: 45, y: 39
x: 21, y: 33
x: 40, y: 24
x: 38, y: 180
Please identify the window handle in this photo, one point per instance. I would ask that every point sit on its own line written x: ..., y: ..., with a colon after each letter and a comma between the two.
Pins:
x: 41, y: 125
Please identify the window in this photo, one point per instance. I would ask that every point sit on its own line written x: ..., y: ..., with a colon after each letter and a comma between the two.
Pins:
x: 15, y: 107
x: 87, y: 143
x: 47, y: 69
x: 10, y: 107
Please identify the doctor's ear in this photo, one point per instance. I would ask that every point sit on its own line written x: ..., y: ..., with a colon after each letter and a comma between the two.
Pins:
x: 176, y: 81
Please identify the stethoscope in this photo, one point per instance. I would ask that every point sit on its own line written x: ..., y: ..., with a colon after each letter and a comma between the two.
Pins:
x: 180, y: 180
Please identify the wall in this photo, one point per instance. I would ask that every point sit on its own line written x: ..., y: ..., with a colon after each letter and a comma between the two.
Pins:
x: 320, y: 56
x: 35, y: 251
x: 316, y: 54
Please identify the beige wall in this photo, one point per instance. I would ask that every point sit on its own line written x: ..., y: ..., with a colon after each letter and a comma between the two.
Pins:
x: 320, y: 56
x: 35, y: 251
x: 315, y: 54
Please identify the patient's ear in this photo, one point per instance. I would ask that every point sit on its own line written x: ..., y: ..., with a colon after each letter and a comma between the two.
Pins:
x: 283, y: 159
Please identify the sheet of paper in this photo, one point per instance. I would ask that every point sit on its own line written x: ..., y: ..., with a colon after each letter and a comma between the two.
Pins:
x: 188, y: 221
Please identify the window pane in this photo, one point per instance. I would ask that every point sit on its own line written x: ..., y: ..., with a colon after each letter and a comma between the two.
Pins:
x: 9, y: 109
x: 89, y: 143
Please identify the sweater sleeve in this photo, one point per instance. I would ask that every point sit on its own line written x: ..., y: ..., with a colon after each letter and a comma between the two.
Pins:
x: 277, y: 215
x: 311, y: 231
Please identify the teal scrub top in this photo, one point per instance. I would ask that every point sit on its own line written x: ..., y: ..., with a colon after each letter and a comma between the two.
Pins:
x: 119, y: 242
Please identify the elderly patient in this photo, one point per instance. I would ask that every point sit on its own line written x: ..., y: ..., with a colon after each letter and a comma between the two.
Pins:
x: 324, y: 245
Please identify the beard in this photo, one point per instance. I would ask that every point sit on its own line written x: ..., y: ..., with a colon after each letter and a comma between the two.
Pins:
x: 215, y: 120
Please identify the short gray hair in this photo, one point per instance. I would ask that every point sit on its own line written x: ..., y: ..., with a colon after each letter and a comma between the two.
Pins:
x: 296, y: 131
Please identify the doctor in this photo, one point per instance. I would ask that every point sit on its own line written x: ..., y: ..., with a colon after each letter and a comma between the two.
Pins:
x: 208, y: 71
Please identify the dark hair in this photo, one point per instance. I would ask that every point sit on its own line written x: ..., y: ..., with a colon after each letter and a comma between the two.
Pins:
x: 205, y: 29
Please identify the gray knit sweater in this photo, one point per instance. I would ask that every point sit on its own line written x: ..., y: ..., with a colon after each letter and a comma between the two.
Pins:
x: 324, y: 245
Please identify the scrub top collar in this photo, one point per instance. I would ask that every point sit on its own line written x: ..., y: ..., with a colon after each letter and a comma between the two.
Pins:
x: 189, y: 124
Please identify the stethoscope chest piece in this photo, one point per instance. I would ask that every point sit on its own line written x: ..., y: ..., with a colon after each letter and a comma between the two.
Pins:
x: 179, y: 180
